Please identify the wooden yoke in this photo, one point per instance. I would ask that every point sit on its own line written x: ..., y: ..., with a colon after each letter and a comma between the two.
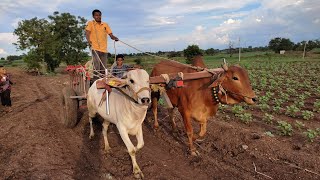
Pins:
x: 187, y: 76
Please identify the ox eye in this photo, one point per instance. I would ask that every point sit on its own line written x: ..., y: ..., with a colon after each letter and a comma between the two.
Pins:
x: 132, y: 81
x: 235, y: 78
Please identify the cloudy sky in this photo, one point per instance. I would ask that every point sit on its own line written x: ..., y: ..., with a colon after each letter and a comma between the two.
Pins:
x: 165, y: 25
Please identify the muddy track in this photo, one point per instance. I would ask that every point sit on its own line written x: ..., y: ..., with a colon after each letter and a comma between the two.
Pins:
x: 35, y: 145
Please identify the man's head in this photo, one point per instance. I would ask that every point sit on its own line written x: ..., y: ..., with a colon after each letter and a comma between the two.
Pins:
x: 119, y: 59
x: 3, y: 71
x: 96, y: 14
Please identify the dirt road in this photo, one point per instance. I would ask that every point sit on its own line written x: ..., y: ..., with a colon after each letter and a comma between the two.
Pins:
x: 35, y: 145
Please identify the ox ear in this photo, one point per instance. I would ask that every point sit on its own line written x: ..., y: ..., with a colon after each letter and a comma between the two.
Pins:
x: 224, y: 65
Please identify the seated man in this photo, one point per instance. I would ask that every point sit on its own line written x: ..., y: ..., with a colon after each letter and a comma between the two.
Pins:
x: 120, y: 68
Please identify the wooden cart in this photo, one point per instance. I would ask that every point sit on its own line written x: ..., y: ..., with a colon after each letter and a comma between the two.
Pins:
x: 74, y: 94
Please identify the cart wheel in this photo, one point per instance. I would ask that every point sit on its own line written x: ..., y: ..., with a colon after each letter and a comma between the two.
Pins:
x: 70, y: 107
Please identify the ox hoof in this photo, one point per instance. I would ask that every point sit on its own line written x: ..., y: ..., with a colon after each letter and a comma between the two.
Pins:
x: 195, y: 153
x: 138, y: 175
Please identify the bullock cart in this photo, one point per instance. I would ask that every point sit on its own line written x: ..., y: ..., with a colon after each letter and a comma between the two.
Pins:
x: 74, y: 94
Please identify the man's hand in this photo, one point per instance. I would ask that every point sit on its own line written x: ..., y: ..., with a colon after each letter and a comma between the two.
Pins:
x: 113, y: 37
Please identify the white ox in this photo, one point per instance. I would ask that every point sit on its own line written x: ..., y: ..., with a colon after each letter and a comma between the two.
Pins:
x: 127, y: 114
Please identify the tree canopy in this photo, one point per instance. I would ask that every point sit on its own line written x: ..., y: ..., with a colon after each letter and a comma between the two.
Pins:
x: 278, y: 44
x: 59, y: 39
x: 192, y: 51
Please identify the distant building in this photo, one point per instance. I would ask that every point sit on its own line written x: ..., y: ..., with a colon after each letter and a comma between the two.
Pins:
x: 282, y: 51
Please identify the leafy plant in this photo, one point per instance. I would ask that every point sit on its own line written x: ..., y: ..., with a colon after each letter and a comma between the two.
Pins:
x: 264, y: 106
x: 278, y: 102
x: 245, y: 118
x: 285, y: 128
x: 316, y: 106
x: 292, y: 110
x: 268, y: 118
x: 264, y: 99
x: 300, y: 104
x: 277, y: 109
x: 284, y: 96
x: 302, y: 97
x: 307, y: 115
x: 318, y: 90
x: 237, y: 109
x: 311, y: 134
x: 263, y: 83
x: 268, y: 133
x: 299, y: 124
x: 291, y: 91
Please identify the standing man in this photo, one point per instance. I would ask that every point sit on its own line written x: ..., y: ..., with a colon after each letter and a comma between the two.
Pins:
x: 97, y: 35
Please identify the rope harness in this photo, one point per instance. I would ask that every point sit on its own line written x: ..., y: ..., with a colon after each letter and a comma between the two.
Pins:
x: 135, y: 94
x: 219, y: 87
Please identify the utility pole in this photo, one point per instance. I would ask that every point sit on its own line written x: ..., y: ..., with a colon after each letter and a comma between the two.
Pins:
x: 304, y: 50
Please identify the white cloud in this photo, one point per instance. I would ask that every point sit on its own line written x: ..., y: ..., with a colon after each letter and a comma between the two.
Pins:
x: 163, y: 21
x: 230, y: 15
x: 258, y: 20
x: 7, y: 38
x: 200, y: 28
x: 232, y: 21
x: 2, y: 52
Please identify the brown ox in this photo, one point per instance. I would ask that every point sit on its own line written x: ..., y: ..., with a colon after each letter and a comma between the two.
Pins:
x: 197, y: 99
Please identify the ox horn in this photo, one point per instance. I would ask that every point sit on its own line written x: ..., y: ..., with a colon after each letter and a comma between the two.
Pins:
x: 224, y: 65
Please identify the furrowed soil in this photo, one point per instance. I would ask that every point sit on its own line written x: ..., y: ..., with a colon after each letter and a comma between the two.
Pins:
x: 34, y: 144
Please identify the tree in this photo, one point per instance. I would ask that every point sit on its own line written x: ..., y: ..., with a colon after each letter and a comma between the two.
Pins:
x: 59, y: 40
x: 210, y: 51
x: 191, y: 51
x: 33, y: 35
x: 172, y: 54
x: 278, y: 44
x: 14, y: 57
x: 33, y: 59
x: 2, y: 59
x: 68, y: 33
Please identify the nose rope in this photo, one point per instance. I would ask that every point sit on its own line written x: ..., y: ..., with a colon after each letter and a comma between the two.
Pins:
x: 135, y: 94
